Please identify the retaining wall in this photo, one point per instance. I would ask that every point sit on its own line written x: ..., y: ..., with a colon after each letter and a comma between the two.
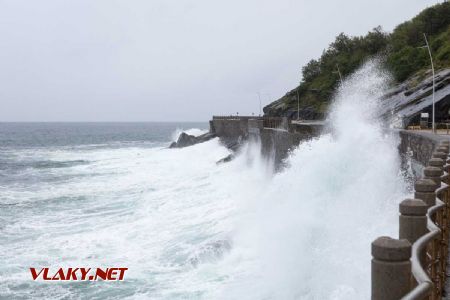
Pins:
x: 230, y: 128
x: 420, y: 144
x: 275, y: 142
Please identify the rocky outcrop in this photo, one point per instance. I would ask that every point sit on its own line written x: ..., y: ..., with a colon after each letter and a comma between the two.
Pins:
x: 287, y: 106
x: 185, y: 140
x: 233, y: 144
x: 280, y: 109
x: 403, y: 104
x: 226, y: 159
x: 400, y: 106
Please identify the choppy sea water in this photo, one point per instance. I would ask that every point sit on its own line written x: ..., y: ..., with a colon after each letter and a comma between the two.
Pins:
x: 113, y: 195
x: 99, y: 195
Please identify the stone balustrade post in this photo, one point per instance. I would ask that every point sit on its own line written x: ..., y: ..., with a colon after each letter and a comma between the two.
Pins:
x: 441, y: 155
x: 439, y: 163
x: 446, y: 144
x: 436, y: 162
x: 425, y: 191
x: 433, y: 173
x: 391, y: 268
x: 413, y: 219
x: 443, y: 149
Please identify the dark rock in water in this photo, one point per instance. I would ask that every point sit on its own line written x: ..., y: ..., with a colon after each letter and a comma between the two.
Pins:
x: 205, y: 137
x: 225, y: 159
x: 232, y: 143
x: 210, y: 252
x: 234, y: 146
x: 186, y: 140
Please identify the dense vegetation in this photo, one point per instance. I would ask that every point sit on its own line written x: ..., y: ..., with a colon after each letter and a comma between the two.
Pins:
x: 401, y: 51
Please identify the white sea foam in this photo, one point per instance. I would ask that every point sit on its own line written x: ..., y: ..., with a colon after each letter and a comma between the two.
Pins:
x: 190, y: 131
x: 308, y: 234
x: 188, y: 228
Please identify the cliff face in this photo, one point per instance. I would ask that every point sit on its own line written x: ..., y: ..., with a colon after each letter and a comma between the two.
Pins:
x: 403, y: 55
x: 401, y: 105
x: 287, y: 106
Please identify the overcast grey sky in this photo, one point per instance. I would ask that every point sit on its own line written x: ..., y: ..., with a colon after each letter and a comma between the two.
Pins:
x: 167, y: 60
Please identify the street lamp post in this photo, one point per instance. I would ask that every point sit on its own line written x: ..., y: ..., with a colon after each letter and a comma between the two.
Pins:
x: 260, y: 102
x: 433, y: 126
x: 259, y: 97
x: 339, y: 72
x: 298, y: 105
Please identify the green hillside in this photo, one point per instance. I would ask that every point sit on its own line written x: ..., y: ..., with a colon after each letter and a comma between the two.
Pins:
x: 400, y: 51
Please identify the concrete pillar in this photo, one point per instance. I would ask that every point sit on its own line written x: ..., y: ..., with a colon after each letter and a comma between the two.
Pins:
x: 441, y: 155
x: 413, y: 219
x: 445, y: 144
x: 425, y: 191
x: 436, y: 162
x: 211, y: 127
x: 439, y: 163
x: 391, y: 268
x: 443, y: 149
x: 433, y: 173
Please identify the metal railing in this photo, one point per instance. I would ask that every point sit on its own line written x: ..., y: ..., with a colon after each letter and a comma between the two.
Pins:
x: 306, y: 127
x: 414, y: 266
x: 441, y: 128
x: 275, y: 122
x: 430, y: 276
x: 235, y: 117
x: 268, y: 122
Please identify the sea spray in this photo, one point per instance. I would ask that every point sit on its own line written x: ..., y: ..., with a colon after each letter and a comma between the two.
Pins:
x: 308, y: 235
x: 157, y: 211
x: 191, y: 131
x: 187, y: 228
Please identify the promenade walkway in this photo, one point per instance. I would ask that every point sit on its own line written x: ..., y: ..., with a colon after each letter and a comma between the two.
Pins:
x: 440, y: 136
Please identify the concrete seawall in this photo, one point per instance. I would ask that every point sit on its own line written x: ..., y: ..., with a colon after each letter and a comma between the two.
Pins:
x: 231, y: 128
x: 415, y: 265
x: 420, y: 144
x: 278, y: 136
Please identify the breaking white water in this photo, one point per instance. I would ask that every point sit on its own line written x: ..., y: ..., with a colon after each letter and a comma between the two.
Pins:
x: 187, y: 228
x: 309, y: 231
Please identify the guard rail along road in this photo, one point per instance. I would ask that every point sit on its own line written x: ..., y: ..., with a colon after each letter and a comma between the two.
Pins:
x: 414, y: 266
